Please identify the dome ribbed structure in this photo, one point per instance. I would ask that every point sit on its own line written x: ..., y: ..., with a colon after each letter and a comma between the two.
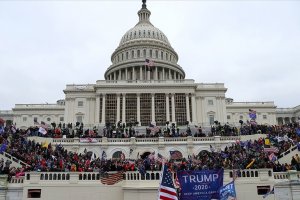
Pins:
x: 144, y: 41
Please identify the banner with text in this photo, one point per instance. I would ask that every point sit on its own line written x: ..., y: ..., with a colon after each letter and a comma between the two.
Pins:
x: 204, y: 184
x: 88, y: 140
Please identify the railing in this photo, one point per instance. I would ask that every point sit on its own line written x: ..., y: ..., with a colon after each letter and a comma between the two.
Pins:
x: 7, y: 155
x: 265, y: 103
x: 117, y: 140
x: 140, y: 140
x: 75, y: 177
x: 39, y: 106
x: 80, y: 87
x: 201, y: 139
x: 148, y: 140
x: 230, y: 138
x: 54, y: 176
x: 64, y: 140
x: 281, y: 175
x: 189, y: 81
x: 175, y: 139
x: 17, y: 179
x: 287, y: 151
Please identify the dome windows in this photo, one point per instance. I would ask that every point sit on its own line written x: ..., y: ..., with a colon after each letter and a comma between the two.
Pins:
x: 144, y: 53
x: 138, y: 53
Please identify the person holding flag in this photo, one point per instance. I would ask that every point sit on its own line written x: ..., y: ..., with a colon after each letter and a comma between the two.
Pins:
x: 166, y: 188
x: 227, y: 192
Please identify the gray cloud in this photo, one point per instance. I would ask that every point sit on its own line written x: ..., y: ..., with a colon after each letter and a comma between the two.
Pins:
x: 251, y: 46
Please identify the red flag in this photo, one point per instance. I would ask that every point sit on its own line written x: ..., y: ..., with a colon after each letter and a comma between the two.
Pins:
x: 2, y: 121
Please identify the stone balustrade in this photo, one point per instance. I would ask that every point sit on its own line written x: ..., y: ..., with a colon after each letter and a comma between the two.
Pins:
x: 81, y: 177
x: 149, y: 140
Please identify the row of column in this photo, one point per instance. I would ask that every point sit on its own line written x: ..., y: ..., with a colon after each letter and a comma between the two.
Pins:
x: 144, y: 74
x: 173, y: 119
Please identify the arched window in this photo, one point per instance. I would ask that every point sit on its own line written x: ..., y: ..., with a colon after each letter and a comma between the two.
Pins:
x: 132, y: 54
x: 127, y: 55
x: 150, y: 53
x: 138, y: 53
x: 162, y: 55
x: 144, y: 52
x: 156, y: 54
x: 118, y: 155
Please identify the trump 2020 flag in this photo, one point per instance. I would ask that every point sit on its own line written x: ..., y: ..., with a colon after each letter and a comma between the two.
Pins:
x: 227, y: 192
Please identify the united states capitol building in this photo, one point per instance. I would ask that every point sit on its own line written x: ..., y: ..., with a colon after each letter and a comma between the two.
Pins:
x: 141, y: 93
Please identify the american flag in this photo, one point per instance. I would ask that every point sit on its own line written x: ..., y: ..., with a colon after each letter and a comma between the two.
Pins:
x: 167, y: 190
x: 149, y: 63
x: 175, y: 155
x: 151, y: 155
x: 177, y: 183
x: 122, y: 156
x: 160, y: 158
x: 111, y: 179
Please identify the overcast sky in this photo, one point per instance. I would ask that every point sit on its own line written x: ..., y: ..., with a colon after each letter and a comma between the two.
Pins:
x: 251, y: 46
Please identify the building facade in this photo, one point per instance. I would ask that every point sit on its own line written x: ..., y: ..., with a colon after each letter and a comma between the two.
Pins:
x: 143, y: 85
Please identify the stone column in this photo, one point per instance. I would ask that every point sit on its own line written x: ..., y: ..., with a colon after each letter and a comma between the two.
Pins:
x: 126, y: 74
x: 163, y: 73
x: 152, y: 107
x: 187, y: 103
x: 103, y: 109
x: 194, y: 120
x: 133, y: 74
x: 204, y: 117
x: 123, y: 108
x: 148, y: 74
x: 167, y: 108
x: 141, y: 72
x: 118, y: 107
x: 173, y: 107
x: 115, y: 75
x: 156, y: 73
x: 138, y: 109
x: 119, y: 74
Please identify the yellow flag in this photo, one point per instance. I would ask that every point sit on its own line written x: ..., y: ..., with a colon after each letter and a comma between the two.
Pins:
x: 45, y: 144
x: 267, y: 141
x: 250, y: 164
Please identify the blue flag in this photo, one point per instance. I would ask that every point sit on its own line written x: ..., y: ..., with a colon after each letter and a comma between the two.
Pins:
x: 227, y: 191
x: 3, y: 147
x: 267, y: 194
x: 200, y: 184
x: 298, y: 131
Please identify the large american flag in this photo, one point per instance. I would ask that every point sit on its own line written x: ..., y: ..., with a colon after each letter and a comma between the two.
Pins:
x: 167, y: 190
x: 111, y: 179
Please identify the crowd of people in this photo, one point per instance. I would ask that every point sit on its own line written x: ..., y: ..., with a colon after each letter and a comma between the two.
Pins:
x: 240, y: 155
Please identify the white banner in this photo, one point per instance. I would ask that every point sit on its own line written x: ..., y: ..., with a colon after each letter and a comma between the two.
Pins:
x: 88, y: 140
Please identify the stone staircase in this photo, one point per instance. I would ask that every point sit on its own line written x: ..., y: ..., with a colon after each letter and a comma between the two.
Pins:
x: 287, y: 156
x: 14, y: 161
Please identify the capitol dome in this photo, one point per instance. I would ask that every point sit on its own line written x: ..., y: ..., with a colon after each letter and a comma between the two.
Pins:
x: 144, y: 30
x: 144, y: 42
